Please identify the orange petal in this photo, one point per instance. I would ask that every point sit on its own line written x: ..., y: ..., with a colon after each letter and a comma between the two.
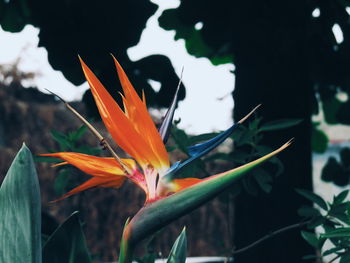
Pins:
x: 138, y: 114
x: 122, y: 129
x: 59, y: 164
x: 95, y: 166
x: 115, y: 182
x: 180, y: 184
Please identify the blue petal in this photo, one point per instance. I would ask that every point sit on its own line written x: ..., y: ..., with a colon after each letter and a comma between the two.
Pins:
x: 199, y: 150
x: 203, y: 148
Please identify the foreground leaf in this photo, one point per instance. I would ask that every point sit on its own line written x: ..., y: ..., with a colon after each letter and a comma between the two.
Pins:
x: 20, y: 220
x: 279, y: 124
x: 67, y: 243
x: 179, y: 249
x: 313, y: 197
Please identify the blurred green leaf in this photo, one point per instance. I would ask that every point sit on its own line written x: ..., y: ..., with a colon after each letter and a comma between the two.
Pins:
x: 44, y: 159
x: 148, y: 258
x: 331, y: 106
x: 307, y: 257
x: 12, y: 19
x: 179, y: 249
x: 339, y: 211
x: 219, y: 156
x: 311, y: 238
x: 317, y: 221
x: 340, y: 197
x: 307, y: 211
x: 331, y: 251
x: 339, y: 232
x: 73, y: 136
x: 181, y: 139
x: 249, y: 185
x: 62, y: 140
x: 319, y: 141
x: 279, y: 124
x: 67, y: 243
x: 333, y: 171
x: 264, y: 179
x: 62, y: 182
x: 170, y: 148
x: 20, y: 212
x: 314, y: 198
x: 345, y: 258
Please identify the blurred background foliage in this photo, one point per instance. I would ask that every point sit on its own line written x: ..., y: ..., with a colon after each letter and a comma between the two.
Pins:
x: 94, y: 30
x: 286, y: 57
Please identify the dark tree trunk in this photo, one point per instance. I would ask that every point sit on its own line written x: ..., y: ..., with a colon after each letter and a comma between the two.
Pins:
x: 272, y: 68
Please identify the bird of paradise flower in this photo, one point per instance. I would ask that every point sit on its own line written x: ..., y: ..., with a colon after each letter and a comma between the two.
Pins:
x: 167, y: 198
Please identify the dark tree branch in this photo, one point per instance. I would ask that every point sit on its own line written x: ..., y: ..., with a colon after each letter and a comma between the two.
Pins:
x: 270, y: 235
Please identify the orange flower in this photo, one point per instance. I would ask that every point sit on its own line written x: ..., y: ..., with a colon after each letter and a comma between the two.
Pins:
x: 135, y: 132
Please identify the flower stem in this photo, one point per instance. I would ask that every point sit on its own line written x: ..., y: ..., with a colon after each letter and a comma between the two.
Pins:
x: 101, y: 139
x: 126, y: 248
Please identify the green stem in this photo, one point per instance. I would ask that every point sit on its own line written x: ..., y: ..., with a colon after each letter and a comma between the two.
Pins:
x: 126, y: 248
x: 155, y: 215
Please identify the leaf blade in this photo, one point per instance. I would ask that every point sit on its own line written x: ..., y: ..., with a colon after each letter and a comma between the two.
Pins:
x: 20, y: 221
x: 67, y: 243
x: 179, y: 249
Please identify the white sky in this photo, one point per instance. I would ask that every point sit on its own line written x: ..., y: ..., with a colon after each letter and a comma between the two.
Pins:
x: 208, y: 103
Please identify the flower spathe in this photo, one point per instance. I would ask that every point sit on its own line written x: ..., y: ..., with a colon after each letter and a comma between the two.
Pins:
x: 134, y: 131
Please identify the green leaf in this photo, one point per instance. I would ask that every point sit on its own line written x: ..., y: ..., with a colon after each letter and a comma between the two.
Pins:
x: 311, y: 238
x: 67, y: 243
x: 331, y: 251
x: 62, y: 181
x: 219, y: 156
x: 179, y: 249
x: 331, y: 107
x: 340, y: 197
x: 339, y: 211
x: 319, y: 141
x: 44, y: 159
x: 61, y: 139
x: 307, y: 211
x: 313, y: 197
x: 20, y: 212
x: 78, y: 133
x: 307, y: 257
x: 339, y: 232
x: 315, y: 222
x: 264, y: 179
x: 345, y: 258
x: 279, y: 124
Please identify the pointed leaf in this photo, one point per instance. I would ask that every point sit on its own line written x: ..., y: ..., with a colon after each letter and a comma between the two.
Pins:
x: 20, y: 212
x: 339, y: 232
x: 313, y: 197
x: 311, y: 238
x: 179, y: 250
x: 340, y: 197
x: 279, y: 124
x: 67, y: 243
x: 78, y: 133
